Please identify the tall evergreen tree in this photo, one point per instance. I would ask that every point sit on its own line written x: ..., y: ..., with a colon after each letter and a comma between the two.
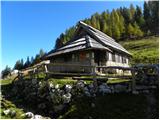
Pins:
x: 126, y: 15
x: 41, y: 53
x: 6, y: 72
x: 27, y: 63
x: 130, y: 30
x: 121, y: 24
x: 139, y: 17
x: 147, y: 17
x: 154, y: 13
x: 18, y: 65
x: 93, y: 21
x: 115, y: 27
x: 32, y: 60
x: 59, y: 43
x: 137, y: 31
x: 132, y: 13
x: 97, y: 16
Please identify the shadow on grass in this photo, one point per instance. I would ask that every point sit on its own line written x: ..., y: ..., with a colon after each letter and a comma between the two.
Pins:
x: 113, y: 106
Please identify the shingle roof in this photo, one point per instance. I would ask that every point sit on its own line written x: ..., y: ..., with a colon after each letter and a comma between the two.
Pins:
x: 94, y: 39
x: 103, y: 38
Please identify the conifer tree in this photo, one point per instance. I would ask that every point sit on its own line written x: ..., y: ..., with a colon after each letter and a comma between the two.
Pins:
x: 130, y: 30
x: 6, y: 72
x: 147, y: 17
x: 139, y: 17
x: 137, y: 31
x: 93, y: 21
x: 132, y: 13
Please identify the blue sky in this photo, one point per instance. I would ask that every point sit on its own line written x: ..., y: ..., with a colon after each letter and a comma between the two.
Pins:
x: 29, y: 26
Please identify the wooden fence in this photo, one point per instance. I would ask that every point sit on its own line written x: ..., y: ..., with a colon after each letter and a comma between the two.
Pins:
x: 48, y: 69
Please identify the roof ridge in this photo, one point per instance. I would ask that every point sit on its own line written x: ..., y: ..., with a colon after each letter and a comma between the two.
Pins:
x: 96, y: 30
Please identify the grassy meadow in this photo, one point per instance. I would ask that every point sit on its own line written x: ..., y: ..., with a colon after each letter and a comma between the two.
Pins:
x: 144, y: 51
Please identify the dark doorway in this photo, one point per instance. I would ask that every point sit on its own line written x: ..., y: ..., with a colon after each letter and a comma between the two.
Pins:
x: 100, y: 57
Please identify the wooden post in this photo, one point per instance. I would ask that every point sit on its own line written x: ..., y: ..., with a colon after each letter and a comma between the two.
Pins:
x: 46, y: 71
x: 45, y: 67
x: 133, y: 81
x: 94, y: 78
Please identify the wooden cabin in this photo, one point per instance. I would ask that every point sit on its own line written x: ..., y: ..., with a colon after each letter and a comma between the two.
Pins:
x: 89, y: 46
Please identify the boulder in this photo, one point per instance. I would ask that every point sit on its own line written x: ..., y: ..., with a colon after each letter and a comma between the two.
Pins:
x: 91, y: 86
x: 34, y: 81
x: 40, y: 83
x: 80, y: 84
x: 86, y: 88
x: 13, y: 113
x: 66, y: 98
x: 87, y: 93
x: 104, y: 86
x: 38, y: 117
x: 120, y: 88
x: 51, y: 86
x: 29, y: 115
x: 68, y: 88
x: 7, y: 112
x: 57, y: 86
x: 105, y: 91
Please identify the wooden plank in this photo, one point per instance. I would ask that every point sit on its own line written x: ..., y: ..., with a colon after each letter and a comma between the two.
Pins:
x: 79, y: 78
x: 74, y: 65
x: 70, y: 74
x: 133, y: 81
x: 115, y: 67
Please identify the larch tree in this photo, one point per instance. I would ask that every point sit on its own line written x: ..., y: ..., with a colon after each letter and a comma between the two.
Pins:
x: 130, y: 30
x: 137, y: 30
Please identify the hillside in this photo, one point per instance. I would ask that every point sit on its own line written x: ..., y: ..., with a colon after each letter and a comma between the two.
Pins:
x: 144, y: 51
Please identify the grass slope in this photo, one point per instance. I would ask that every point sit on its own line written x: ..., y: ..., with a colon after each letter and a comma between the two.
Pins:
x: 144, y: 51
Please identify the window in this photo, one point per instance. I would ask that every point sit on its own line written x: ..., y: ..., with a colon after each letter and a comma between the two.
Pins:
x: 82, y: 55
x: 113, y: 57
x: 118, y: 58
x: 107, y: 56
x: 76, y: 57
x: 110, y: 56
x: 67, y: 57
x: 124, y: 60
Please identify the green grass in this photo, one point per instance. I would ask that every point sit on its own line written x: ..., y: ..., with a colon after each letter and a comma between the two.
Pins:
x: 144, y: 51
x: 6, y: 81
x: 117, y: 80
x: 115, y: 106
x: 5, y: 104
x: 65, y: 81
